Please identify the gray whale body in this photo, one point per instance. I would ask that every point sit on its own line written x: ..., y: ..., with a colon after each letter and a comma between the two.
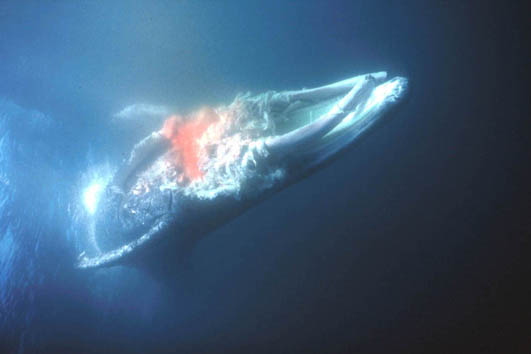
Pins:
x: 200, y: 171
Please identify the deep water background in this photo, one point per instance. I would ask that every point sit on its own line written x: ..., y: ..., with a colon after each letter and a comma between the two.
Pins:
x: 413, y: 241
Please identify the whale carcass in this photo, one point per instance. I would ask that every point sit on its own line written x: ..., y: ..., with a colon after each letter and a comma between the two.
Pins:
x: 199, y: 171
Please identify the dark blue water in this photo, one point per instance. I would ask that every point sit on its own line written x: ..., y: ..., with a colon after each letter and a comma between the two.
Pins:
x: 413, y: 241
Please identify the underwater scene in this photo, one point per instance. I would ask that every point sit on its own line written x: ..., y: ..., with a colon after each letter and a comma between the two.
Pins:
x: 263, y: 177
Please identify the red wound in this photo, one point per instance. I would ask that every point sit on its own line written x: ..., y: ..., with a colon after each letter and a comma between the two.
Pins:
x: 184, y: 136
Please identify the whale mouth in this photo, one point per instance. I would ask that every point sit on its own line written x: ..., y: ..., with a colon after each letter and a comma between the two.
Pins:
x: 234, y: 152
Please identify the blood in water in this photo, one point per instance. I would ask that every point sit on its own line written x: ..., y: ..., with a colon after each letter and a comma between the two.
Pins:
x: 184, y: 135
